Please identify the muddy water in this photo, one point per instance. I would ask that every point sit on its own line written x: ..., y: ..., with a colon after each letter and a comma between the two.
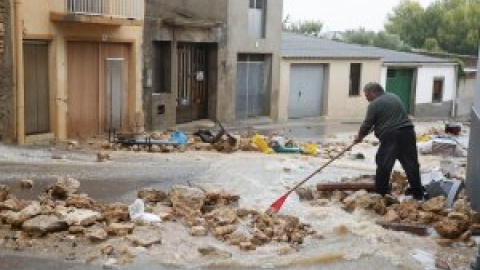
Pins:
x: 259, y: 180
x: 112, y: 190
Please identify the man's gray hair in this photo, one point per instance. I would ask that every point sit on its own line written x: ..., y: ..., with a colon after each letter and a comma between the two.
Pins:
x: 374, y: 88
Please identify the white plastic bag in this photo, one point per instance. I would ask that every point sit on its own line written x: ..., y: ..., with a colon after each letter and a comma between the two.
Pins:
x: 137, y: 212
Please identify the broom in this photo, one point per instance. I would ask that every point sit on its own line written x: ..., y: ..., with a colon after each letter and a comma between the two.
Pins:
x: 275, y: 207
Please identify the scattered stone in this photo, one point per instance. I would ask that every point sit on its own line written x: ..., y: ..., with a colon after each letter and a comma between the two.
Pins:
x: 76, y: 229
x: 164, y: 212
x: 152, y: 195
x: 320, y: 202
x: 286, y: 250
x: 80, y: 201
x: 115, y: 212
x: 461, y: 217
x: 82, y: 217
x: 17, y: 218
x: 71, y: 256
x: 391, y: 216
x: 145, y: 236
x: 187, y: 201
x: 466, y: 236
x: 43, y: 224
x: 247, y: 246
x: 72, y: 143
x: 64, y: 187
x: 304, y: 194
x: 214, y: 252
x: 434, y: 205
x: 198, y: 231
x: 4, y: 191
x: 26, y: 183
x: 450, y: 229
x: 427, y: 217
x: 103, y: 156
x: 12, y: 204
x: 237, y: 237
x: 119, y: 229
x: 96, y: 234
x: 107, y: 249
x: 57, y: 156
x: 221, y: 231
x: 222, y: 216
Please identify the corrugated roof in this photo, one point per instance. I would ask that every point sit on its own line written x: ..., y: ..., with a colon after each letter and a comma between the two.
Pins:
x: 301, y: 46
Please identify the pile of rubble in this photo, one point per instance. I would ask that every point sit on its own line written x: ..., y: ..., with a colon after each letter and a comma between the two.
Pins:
x: 60, y: 215
x: 194, y: 143
x: 452, y: 224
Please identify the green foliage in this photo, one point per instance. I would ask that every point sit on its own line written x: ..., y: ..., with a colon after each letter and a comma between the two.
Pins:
x: 431, y: 44
x: 307, y: 27
x: 447, y: 25
x: 381, y: 39
x: 405, y: 22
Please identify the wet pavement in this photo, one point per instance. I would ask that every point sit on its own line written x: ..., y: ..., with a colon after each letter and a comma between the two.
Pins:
x: 258, y: 178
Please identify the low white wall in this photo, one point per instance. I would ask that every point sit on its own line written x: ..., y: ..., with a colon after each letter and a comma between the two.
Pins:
x: 425, y: 78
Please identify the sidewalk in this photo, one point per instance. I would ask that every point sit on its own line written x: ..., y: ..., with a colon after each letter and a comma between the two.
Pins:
x: 304, y: 129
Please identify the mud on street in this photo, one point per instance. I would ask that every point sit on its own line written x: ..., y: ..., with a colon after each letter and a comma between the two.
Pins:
x: 63, y: 209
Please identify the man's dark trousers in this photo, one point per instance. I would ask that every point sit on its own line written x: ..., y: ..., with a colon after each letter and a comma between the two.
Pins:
x: 398, y: 144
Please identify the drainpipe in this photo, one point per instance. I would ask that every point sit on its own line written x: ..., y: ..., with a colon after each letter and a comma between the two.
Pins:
x: 455, y: 97
x: 18, y: 67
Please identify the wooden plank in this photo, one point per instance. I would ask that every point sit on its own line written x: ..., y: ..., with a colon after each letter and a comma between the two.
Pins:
x: 369, y: 186
x: 418, y: 229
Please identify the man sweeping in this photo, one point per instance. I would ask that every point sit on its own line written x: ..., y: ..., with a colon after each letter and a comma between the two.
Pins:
x: 387, y: 117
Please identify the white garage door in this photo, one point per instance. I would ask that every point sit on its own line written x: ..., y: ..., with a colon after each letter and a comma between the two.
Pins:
x: 306, y: 91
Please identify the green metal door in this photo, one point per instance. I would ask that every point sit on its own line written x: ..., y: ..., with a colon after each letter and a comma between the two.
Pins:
x: 399, y: 82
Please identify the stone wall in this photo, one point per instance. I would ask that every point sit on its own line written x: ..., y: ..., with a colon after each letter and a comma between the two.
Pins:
x: 6, y: 73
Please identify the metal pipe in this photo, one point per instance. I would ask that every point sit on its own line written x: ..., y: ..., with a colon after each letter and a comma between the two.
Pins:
x: 20, y: 83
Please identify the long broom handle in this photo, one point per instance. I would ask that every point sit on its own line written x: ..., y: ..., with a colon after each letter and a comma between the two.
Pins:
x: 321, y: 168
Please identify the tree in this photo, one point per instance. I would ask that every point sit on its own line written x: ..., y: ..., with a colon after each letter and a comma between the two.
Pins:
x: 448, y: 25
x: 407, y: 22
x: 431, y: 44
x: 371, y: 38
x: 459, y: 29
x: 307, y: 27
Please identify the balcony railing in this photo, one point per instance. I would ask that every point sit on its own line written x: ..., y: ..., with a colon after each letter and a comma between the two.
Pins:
x: 130, y: 9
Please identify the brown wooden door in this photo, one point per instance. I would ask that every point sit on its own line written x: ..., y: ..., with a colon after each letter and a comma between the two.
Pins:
x: 192, y: 82
x: 37, y: 90
x: 83, y: 89
x: 87, y: 86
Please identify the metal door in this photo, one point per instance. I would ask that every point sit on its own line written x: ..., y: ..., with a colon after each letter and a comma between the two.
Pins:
x: 252, y: 98
x: 37, y: 92
x: 399, y: 82
x: 114, y: 95
x: 306, y: 91
x: 192, y: 98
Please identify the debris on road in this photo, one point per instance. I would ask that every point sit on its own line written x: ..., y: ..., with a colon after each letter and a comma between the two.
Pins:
x: 62, y: 213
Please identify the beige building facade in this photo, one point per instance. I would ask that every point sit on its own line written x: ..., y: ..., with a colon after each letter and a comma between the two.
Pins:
x: 337, y: 101
x: 78, y: 65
